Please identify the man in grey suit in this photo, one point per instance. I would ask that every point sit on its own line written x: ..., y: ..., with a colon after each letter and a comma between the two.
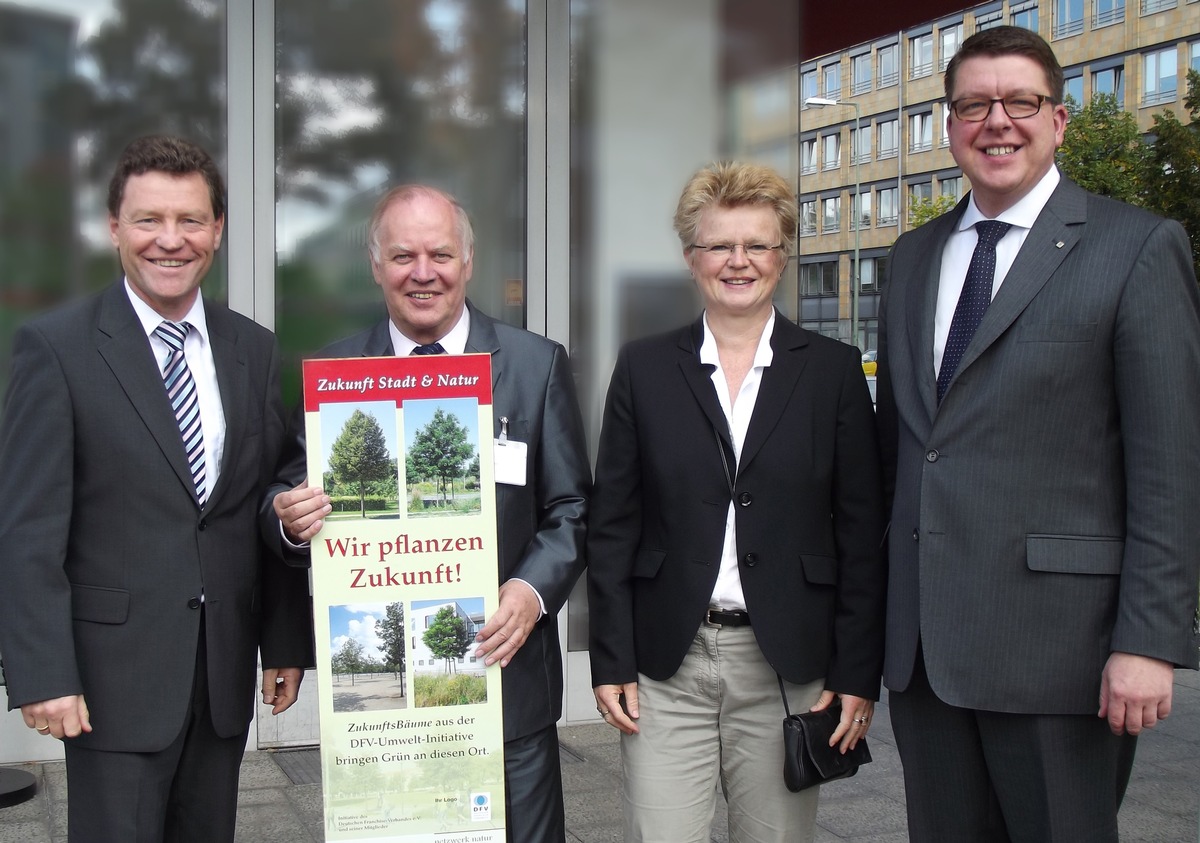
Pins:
x: 421, y: 250
x: 134, y: 590
x: 1039, y: 411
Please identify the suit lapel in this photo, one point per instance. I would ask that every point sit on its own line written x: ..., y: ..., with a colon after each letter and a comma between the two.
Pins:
x: 922, y: 308
x: 379, y: 341
x: 778, y: 384
x: 481, y: 339
x: 126, y: 349
x: 1058, y: 228
x: 233, y: 381
x: 699, y: 380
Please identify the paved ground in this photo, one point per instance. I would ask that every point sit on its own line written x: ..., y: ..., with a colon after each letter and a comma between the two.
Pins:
x: 281, y: 798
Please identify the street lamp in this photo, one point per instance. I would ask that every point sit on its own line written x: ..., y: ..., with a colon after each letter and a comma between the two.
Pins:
x: 822, y: 102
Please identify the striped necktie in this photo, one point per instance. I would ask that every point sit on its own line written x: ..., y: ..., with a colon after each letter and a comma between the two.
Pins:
x: 181, y: 390
x: 432, y: 348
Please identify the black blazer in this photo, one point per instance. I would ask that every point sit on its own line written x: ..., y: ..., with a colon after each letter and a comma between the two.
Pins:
x: 104, y: 552
x: 540, y: 526
x: 809, y: 514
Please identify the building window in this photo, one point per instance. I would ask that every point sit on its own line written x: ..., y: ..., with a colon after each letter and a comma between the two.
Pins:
x: 831, y: 151
x: 860, y: 69
x: 1026, y: 15
x: 860, y: 145
x: 808, y: 156
x: 889, y: 205
x: 808, y: 217
x: 920, y: 132
x: 1110, y: 81
x: 860, y: 210
x: 1107, y: 12
x: 1159, y: 76
x: 1194, y: 61
x: 889, y: 65
x: 1068, y: 18
x: 870, y: 273
x: 1073, y: 89
x: 808, y: 86
x: 951, y: 38
x: 988, y: 20
x: 831, y: 81
x: 920, y: 55
x: 943, y: 126
x: 1149, y: 7
x: 831, y: 214
x: 889, y: 138
x: 919, y: 195
x: 951, y: 187
x: 819, y: 279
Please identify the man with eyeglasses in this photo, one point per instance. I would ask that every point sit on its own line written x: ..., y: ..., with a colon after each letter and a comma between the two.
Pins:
x: 1039, y: 408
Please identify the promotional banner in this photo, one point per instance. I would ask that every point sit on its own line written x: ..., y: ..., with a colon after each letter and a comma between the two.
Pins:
x: 404, y: 574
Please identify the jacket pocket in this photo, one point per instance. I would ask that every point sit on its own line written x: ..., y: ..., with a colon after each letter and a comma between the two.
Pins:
x: 99, y: 605
x: 1074, y: 554
x: 648, y: 562
x: 819, y: 570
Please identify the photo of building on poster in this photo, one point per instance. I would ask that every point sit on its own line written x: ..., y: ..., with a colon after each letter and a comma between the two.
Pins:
x: 444, y: 666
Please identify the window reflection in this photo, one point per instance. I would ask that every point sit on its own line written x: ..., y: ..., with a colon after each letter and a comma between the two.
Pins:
x: 79, y: 79
x: 374, y: 93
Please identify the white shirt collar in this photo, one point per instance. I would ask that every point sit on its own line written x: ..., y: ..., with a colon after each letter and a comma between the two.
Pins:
x: 1024, y: 212
x: 455, y: 341
x: 151, y: 319
x: 763, y: 355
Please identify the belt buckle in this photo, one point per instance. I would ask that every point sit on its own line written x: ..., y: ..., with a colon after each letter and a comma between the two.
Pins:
x: 708, y: 621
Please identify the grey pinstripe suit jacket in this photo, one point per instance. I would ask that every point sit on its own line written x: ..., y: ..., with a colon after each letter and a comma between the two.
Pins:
x: 1043, y: 515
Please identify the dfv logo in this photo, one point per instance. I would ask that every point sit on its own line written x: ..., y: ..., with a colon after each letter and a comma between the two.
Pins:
x: 481, y: 807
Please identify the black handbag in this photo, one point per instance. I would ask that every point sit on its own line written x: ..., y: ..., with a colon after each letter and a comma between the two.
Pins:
x: 808, y: 759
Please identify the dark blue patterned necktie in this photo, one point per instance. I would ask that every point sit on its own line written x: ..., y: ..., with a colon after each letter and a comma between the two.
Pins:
x: 181, y: 390
x: 432, y: 348
x: 974, y: 300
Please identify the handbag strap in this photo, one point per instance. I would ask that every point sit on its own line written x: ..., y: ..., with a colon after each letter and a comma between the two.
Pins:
x: 782, y: 693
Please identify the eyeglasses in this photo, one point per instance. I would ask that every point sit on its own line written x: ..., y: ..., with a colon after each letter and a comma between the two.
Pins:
x: 1018, y: 106
x: 725, y: 250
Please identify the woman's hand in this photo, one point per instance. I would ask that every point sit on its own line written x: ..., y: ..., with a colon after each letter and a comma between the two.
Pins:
x: 857, y: 713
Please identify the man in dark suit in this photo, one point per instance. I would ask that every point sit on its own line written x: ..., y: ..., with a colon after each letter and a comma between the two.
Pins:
x: 135, y: 592
x: 421, y: 249
x: 1039, y: 432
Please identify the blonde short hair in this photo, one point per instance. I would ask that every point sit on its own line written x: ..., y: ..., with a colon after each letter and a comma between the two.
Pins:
x: 732, y: 184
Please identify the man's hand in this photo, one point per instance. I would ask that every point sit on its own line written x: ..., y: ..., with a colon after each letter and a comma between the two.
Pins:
x: 509, y: 626
x: 281, y: 687
x: 302, y: 512
x: 64, y: 717
x: 615, y: 711
x: 1135, y: 692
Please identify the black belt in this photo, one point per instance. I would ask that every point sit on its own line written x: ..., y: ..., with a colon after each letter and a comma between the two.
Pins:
x: 726, y: 617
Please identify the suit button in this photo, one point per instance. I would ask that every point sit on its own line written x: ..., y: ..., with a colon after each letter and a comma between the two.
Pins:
x: 745, y: 498
x: 751, y: 559
x: 916, y: 534
x: 194, y: 603
x: 203, y: 524
x: 932, y: 455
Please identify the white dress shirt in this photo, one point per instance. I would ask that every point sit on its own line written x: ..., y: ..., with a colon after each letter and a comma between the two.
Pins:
x: 956, y: 256
x: 727, y: 593
x: 197, y: 350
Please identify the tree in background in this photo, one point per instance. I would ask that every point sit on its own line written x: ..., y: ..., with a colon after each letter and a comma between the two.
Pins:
x: 350, y: 659
x: 360, y: 455
x: 1171, y: 172
x: 440, y: 450
x: 1102, y: 150
x: 921, y: 211
x: 390, y: 629
x: 447, y: 637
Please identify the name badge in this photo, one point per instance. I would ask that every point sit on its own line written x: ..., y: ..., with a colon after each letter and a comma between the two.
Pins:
x: 510, y: 457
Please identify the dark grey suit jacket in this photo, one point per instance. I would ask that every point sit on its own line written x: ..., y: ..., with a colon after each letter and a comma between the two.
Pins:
x: 809, y: 515
x: 540, y: 525
x: 1043, y: 514
x: 104, y: 552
